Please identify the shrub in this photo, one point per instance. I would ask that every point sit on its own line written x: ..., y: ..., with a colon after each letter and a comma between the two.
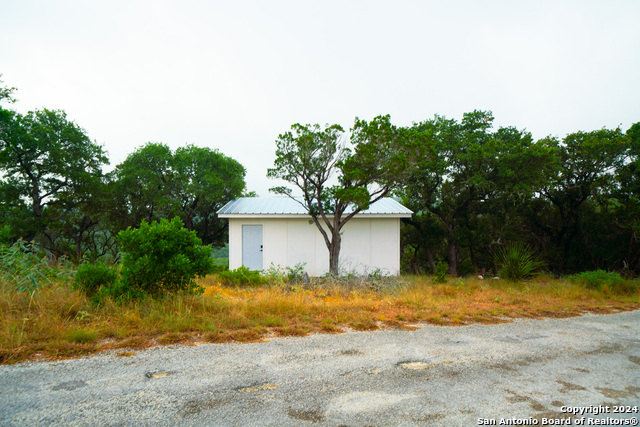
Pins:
x: 516, y: 261
x: 278, y: 275
x: 242, y: 276
x: 600, y: 280
x: 91, y: 277
x: 163, y: 257
x: 296, y: 273
x: 440, y: 273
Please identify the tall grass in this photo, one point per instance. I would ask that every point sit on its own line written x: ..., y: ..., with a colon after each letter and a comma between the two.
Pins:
x: 27, y: 269
x: 58, y: 321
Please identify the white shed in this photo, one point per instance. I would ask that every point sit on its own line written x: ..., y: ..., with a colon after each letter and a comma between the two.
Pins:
x: 278, y: 231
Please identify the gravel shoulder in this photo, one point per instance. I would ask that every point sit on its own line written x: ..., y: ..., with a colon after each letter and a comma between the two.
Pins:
x: 526, y: 369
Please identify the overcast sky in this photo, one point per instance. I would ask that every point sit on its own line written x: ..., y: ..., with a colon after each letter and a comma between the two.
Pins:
x: 232, y: 75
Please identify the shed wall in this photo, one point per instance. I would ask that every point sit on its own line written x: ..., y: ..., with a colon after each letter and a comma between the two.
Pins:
x: 368, y: 244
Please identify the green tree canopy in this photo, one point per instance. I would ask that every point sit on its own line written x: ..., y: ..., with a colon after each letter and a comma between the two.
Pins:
x: 6, y: 93
x: 193, y: 183
x: 50, y: 169
x: 143, y: 186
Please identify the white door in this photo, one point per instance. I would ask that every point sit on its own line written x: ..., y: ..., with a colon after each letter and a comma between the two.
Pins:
x: 252, y: 247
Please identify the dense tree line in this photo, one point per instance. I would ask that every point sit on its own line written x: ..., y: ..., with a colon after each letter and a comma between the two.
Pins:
x: 53, y: 189
x: 575, y: 201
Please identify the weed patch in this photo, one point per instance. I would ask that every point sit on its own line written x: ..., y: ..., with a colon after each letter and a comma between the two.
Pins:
x: 607, y: 281
x: 83, y: 336
x: 242, y: 276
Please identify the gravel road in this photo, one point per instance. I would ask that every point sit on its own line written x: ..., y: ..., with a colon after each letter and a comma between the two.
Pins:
x: 527, y: 370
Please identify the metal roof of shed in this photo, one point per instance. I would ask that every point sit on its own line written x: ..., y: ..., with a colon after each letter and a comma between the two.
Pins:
x: 281, y: 206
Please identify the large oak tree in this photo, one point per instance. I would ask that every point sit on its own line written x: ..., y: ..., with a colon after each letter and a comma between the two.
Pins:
x: 193, y: 183
x: 51, y: 171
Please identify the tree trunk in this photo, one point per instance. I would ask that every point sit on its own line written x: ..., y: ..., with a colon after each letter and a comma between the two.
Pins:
x: 473, y: 258
x: 36, y: 201
x: 431, y: 260
x: 414, y: 262
x: 453, y: 259
x: 334, y: 253
x: 79, y: 245
x: 453, y: 251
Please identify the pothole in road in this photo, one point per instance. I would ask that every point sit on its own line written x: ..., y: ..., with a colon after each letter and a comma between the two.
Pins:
x: 415, y: 365
x: 158, y: 374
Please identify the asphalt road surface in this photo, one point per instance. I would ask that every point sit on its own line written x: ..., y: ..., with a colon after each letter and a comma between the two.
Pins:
x: 532, y: 371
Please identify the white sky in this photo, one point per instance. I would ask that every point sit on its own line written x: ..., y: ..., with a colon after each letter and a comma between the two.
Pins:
x: 232, y: 75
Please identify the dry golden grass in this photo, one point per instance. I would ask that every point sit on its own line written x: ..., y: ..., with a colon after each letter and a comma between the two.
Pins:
x: 57, y: 322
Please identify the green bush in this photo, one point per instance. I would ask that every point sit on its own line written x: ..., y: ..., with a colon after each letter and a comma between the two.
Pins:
x: 101, y: 282
x: 440, y: 274
x: 163, y: 257
x: 515, y: 261
x: 601, y: 280
x: 242, y: 276
x: 91, y: 277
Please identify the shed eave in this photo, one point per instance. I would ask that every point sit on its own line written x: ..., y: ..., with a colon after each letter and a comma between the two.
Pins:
x: 305, y: 216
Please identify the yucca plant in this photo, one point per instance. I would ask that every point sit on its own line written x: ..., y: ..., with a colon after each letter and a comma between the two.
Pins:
x: 516, y: 261
x: 440, y: 273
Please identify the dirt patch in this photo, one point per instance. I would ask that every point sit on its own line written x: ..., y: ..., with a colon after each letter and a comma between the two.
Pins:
x: 302, y: 415
x: 429, y: 418
x: 619, y: 394
x: 634, y: 359
x: 258, y: 387
x: 606, y: 349
x: 516, y: 398
x: 195, y: 406
x: 566, y: 387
